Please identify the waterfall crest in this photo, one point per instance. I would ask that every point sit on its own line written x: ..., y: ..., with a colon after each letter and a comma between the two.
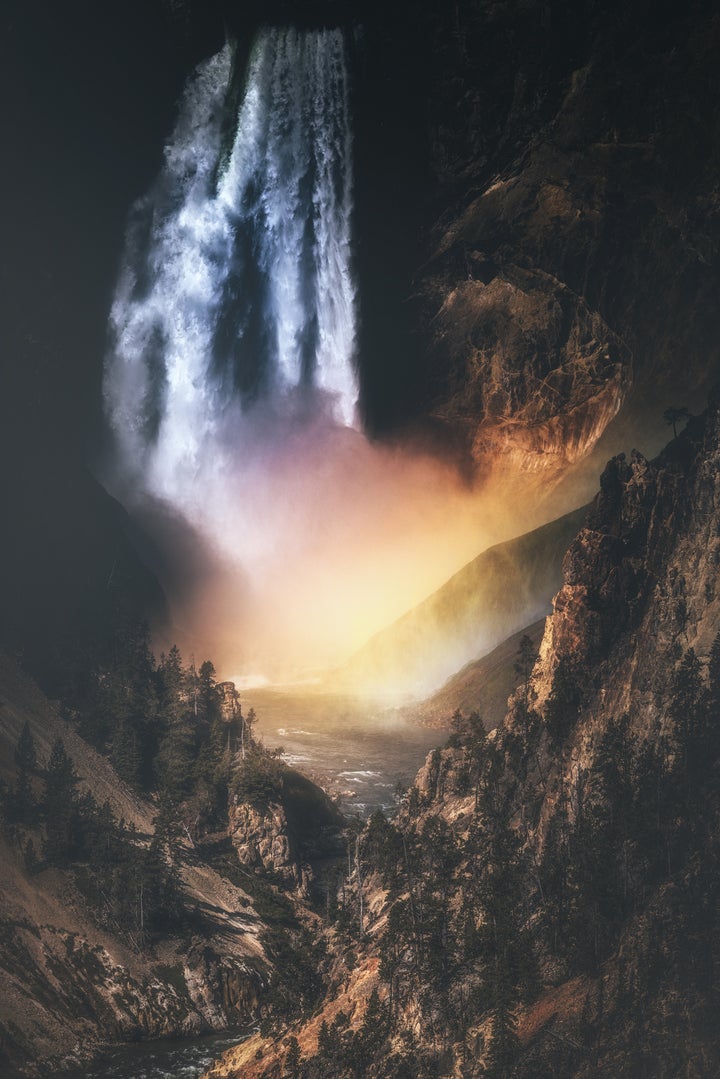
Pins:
x: 236, y: 284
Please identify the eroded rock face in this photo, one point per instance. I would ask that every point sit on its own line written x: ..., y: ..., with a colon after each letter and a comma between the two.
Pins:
x: 72, y: 979
x: 573, y: 269
x: 229, y: 701
x: 646, y: 562
x: 261, y: 839
x: 535, y: 376
x: 70, y: 988
x: 284, y: 832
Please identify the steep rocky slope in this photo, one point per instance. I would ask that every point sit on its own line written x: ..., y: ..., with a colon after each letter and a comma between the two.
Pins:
x: 146, y: 930
x: 546, y: 903
x: 71, y: 981
x: 285, y: 831
x: 575, y: 258
x: 494, y: 596
x: 482, y: 686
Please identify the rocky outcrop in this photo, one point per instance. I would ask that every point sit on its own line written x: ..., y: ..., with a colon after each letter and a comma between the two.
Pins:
x: 572, y: 268
x: 259, y: 1056
x: 534, y: 377
x: 229, y: 701
x: 69, y: 991
x: 261, y: 839
x: 644, y: 563
x: 285, y: 829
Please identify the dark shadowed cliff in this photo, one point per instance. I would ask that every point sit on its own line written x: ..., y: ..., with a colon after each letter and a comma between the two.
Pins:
x: 572, y: 272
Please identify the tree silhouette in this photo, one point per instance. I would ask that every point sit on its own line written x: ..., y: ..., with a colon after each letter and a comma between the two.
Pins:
x: 293, y: 1059
x: 59, y: 807
x: 674, y: 415
x: 24, y: 807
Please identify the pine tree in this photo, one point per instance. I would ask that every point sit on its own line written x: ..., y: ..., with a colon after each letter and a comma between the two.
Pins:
x: 172, y: 681
x: 504, y: 1045
x: 24, y: 808
x: 674, y: 415
x: 367, y: 1043
x: 178, y: 747
x: 123, y: 707
x: 327, y: 1044
x: 524, y: 663
x: 293, y: 1059
x: 208, y: 698
x: 126, y: 754
x: 25, y: 752
x: 687, y: 710
x: 59, y: 807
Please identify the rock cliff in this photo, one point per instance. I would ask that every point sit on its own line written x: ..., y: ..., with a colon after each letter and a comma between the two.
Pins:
x: 643, y: 568
x: 575, y: 256
x: 545, y: 902
x: 283, y: 826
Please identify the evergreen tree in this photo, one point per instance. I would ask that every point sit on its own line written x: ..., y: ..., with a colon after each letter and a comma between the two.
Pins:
x: 208, y: 696
x: 367, y: 1043
x: 687, y: 709
x: 327, y: 1047
x: 126, y: 752
x: 382, y: 847
x: 524, y: 663
x: 504, y: 1045
x: 59, y: 807
x: 172, y: 683
x: 25, y: 752
x: 674, y: 415
x: 293, y: 1059
x: 122, y: 709
x: 396, y: 951
x: 23, y: 809
x: 177, y: 757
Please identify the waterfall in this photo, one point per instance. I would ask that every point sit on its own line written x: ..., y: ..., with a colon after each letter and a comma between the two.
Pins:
x: 236, y: 285
x: 280, y: 534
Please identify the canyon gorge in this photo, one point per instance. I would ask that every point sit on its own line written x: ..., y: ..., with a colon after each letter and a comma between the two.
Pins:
x: 372, y: 354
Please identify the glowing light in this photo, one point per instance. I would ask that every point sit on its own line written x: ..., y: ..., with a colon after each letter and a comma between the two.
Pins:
x: 231, y: 386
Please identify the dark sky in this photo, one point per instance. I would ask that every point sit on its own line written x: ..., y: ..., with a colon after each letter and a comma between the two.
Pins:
x: 86, y: 103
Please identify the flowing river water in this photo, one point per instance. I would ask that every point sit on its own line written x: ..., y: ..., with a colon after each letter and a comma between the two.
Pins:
x: 166, y: 1058
x: 358, y: 752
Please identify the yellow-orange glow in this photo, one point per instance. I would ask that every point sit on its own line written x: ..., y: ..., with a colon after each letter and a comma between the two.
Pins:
x: 321, y: 542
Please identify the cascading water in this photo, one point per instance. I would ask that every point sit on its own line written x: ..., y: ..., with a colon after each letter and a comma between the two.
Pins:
x: 231, y: 387
x: 236, y: 284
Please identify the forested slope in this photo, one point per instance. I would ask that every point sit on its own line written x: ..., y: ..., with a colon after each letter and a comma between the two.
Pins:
x: 546, y: 902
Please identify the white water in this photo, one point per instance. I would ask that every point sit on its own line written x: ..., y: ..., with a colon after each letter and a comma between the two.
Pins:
x: 236, y: 281
x: 231, y: 387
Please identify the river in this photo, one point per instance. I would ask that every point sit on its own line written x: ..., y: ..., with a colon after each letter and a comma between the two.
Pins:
x: 166, y: 1058
x: 357, y: 751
